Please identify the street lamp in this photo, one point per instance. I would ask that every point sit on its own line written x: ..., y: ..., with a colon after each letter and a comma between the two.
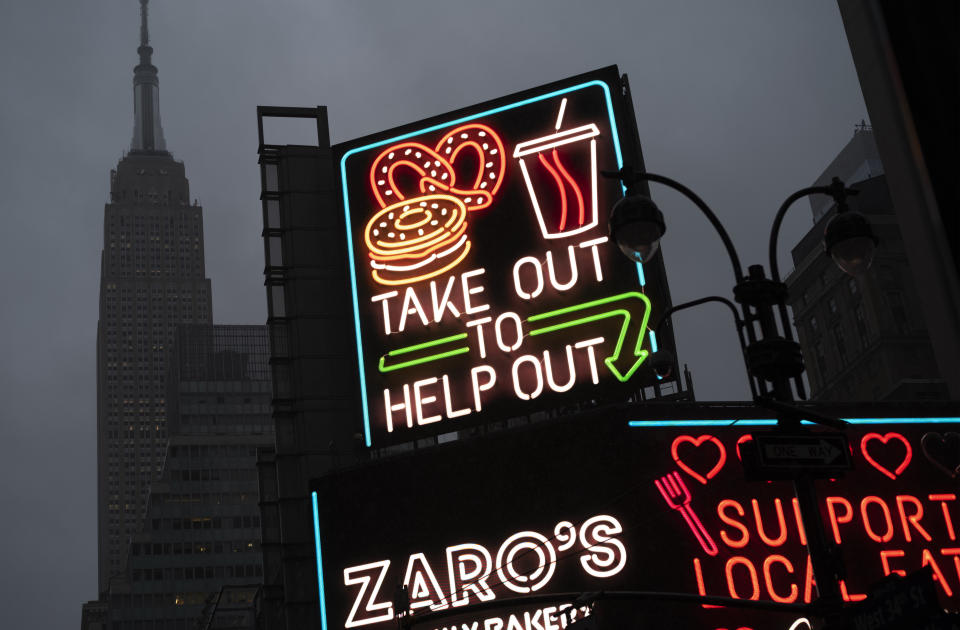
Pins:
x: 772, y: 357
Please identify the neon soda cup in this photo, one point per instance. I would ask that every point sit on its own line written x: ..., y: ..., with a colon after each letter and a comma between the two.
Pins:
x: 572, y: 209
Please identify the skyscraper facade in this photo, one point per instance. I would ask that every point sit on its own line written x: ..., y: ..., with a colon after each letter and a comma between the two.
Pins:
x: 152, y: 279
x: 196, y: 554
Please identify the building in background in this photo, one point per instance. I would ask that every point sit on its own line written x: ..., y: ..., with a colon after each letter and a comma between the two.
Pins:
x: 196, y: 556
x: 863, y: 338
x: 152, y: 279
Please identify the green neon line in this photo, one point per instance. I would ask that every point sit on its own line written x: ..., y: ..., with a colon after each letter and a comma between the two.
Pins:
x: 580, y: 307
x: 427, y: 344
x: 610, y: 361
x: 432, y: 357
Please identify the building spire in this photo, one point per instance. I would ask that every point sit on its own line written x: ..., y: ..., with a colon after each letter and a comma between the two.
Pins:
x: 147, y: 132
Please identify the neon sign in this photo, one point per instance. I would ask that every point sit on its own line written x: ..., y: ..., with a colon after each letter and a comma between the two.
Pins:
x: 597, y: 505
x: 482, y: 279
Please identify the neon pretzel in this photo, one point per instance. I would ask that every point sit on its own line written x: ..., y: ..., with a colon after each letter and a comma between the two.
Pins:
x: 421, y: 234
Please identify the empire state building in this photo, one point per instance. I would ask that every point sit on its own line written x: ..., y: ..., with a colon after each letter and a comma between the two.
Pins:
x: 152, y: 278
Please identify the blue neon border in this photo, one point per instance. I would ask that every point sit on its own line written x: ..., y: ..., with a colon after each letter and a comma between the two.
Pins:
x: 766, y: 422
x: 316, y: 538
x: 349, y: 226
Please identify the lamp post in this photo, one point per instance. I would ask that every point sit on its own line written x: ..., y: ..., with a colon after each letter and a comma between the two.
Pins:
x: 772, y: 357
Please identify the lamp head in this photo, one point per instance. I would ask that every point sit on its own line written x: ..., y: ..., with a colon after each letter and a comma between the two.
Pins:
x: 636, y: 224
x: 662, y: 362
x: 850, y: 241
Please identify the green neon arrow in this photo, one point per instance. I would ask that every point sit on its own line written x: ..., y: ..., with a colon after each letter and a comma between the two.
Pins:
x: 420, y: 346
x: 613, y: 306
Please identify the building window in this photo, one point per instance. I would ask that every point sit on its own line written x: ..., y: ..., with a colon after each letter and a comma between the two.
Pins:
x: 841, y: 343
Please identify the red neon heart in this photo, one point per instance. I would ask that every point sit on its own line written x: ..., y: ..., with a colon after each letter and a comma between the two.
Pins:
x: 697, y: 442
x: 884, y: 439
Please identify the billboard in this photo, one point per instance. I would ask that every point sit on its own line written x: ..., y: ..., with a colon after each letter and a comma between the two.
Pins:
x: 570, y: 507
x: 483, y: 282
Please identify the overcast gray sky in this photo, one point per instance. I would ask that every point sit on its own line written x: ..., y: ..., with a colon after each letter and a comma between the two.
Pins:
x: 744, y: 101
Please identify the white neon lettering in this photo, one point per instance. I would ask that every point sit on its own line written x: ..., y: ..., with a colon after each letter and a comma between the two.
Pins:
x: 365, y: 572
x: 537, y: 369
x: 444, y: 303
x: 534, y: 580
x: 411, y: 306
x: 589, y: 344
x: 498, y: 329
x: 448, y: 401
x: 592, y: 244
x: 421, y: 400
x: 548, y: 369
x: 468, y: 308
x: 477, y: 388
x: 479, y: 325
x: 390, y: 407
x: 423, y: 581
x: 553, y: 274
x: 468, y: 566
x: 605, y: 556
x: 527, y: 295
x: 566, y: 534
x: 384, y: 297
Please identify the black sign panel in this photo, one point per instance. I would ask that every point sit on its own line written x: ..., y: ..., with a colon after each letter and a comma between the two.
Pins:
x: 483, y: 281
x: 571, y: 507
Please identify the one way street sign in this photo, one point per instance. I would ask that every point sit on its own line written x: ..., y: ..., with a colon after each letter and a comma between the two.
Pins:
x: 816, y: 453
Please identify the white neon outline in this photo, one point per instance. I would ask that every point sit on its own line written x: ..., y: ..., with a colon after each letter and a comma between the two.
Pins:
x: 439, y: 310
x: 593, y: 193
x: 389, y: 407
x: 547, y: 565
x: 479, y: 325
x: 383, y: 297
x: 563, y: 108
x: 608, y: 525
x: 433, y: 580
x: 476, y: 385
x: 370, y: 606
x: 425, y: 400
x: 516, y: 383
x: 475, y: 580
x: 555, y: 140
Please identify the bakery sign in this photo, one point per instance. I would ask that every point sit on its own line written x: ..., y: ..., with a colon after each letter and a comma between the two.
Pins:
x: 484, y: 284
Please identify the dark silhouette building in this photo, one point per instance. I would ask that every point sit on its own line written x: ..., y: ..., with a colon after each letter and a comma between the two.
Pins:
x: 863, y: 338
x: 152, y: 279
x: 198, y: 548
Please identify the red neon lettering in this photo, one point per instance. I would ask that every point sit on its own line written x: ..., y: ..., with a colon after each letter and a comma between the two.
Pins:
x: 799, y: 519
x: 885, y: 556
x: 914, y: 518
x: 697, y: 442
x: 698, y: 570
x: 836, y: 520
x: 794, y: 591
x: 888, y: 534
x: 731, y: 563
x: 955, y: 552
x: 745, y: 538
x: 943, y: 498
x: 883, y: 440
x: 782, y: 536
x: 847, y: 597
x: 808, y: 583
x: 937, y: 574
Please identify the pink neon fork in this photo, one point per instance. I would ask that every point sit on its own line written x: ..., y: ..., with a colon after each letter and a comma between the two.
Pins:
x: 677, y: 496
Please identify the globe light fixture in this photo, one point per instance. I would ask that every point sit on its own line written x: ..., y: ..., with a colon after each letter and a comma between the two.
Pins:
x: 850, y: 241
x: 636, y: 225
